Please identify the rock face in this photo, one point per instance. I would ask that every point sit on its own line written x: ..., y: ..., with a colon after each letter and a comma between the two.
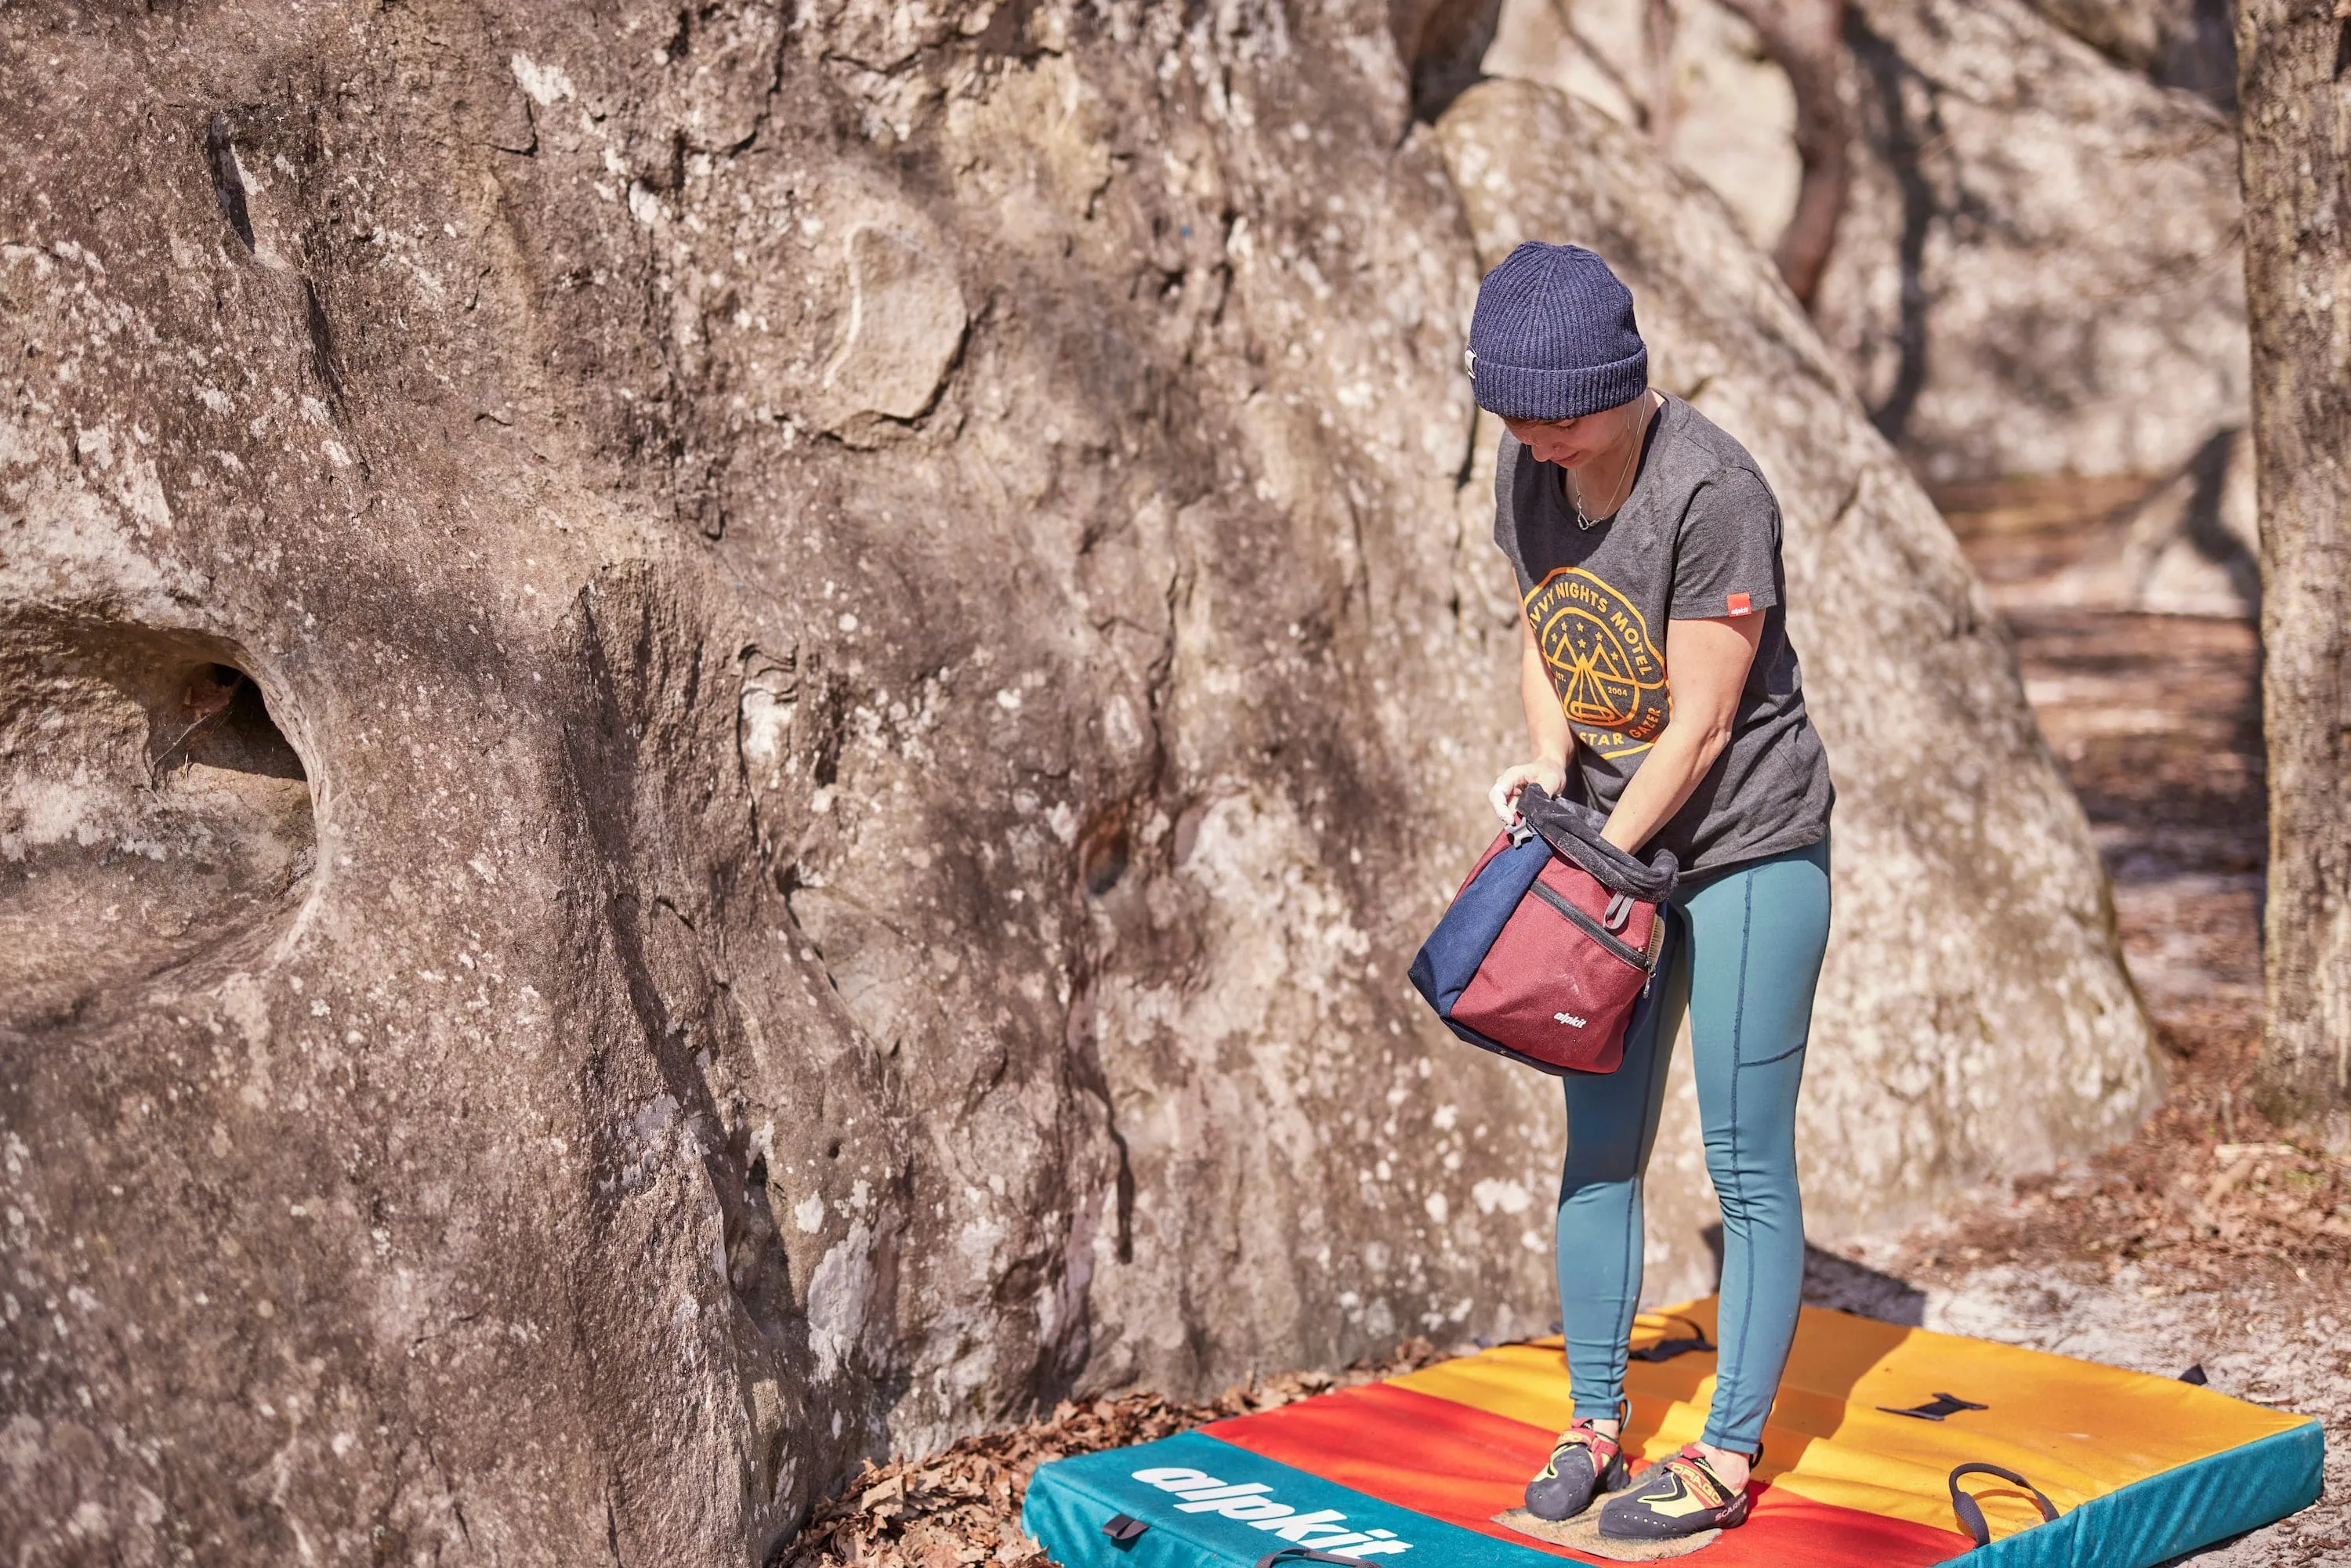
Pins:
x: 2037, y: 270
x: 726, y: 730
x: 2184, y: 543
x: 2188, y: 44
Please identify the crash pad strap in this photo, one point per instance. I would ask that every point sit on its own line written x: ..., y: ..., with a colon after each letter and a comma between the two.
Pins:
x: 1668, y: 1348
x: 1971, y: 1513
x: 2160, y: 1518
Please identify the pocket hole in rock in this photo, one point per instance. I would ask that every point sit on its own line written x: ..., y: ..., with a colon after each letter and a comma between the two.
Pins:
x: 228, y: 726
x: 152, y: 815
x: 228, y: 179
x: 1102, y: 857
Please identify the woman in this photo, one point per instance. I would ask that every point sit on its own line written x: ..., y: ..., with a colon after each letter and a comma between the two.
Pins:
x: 1627, y: 513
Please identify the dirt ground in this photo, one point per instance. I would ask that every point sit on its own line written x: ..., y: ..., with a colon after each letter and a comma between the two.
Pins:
x: 2206, y: 1240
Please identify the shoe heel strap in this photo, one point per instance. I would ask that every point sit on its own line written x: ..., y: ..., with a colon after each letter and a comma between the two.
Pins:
x: 1594, y: 1438
x: 1624, y: 1419
x: 1690, y: 1454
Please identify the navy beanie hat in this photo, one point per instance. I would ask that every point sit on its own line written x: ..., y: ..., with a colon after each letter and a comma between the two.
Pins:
x: 1553, y: 337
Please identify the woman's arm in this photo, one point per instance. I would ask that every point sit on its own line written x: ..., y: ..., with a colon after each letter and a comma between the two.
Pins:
x: 1546, y: 729
x: 1707, y: 660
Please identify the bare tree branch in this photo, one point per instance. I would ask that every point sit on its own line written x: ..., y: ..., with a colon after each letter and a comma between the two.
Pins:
x: 1805, y: 39
x: 1564, y: 14
x: 1663, y: 110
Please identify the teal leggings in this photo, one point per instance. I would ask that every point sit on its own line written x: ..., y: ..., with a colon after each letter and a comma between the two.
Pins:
x: 1742, y: 955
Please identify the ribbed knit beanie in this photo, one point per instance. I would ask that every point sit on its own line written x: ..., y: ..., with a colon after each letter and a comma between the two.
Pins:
x: 1553, y: 336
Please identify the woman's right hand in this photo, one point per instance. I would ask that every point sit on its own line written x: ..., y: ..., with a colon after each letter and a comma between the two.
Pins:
x: 1552, y: 775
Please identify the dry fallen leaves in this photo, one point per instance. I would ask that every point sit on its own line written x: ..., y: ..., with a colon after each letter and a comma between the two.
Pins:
x: 964, y: 1505
x: 2203, y: 1207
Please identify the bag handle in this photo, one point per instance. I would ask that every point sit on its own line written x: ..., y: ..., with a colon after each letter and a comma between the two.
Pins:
x: 1308, y: 1554
x: 1572, y: 831
x: 1970, y: 1512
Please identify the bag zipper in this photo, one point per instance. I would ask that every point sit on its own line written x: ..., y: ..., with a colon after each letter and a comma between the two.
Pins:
x: 1590, y: 926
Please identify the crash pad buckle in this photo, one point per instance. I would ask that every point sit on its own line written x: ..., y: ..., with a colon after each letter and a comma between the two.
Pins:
x: 1122, y: 1528
x: 1666, y: 1349
x: 1934, y: 1410
x: 1970, y: 1512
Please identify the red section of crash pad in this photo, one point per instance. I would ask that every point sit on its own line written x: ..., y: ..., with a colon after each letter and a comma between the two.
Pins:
x: 1463, y: 1466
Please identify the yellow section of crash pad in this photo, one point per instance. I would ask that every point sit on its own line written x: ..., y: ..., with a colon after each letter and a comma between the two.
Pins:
x: 2074, y: 1428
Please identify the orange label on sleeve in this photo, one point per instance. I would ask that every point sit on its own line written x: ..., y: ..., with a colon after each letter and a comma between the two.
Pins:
x: 1740, y: 605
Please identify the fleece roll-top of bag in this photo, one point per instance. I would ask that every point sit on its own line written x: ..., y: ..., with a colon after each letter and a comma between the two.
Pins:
x: 1553, y: 336
x: 1573, y: 830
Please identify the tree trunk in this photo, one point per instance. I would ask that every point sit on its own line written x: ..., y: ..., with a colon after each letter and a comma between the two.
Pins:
x: 2292, y: 57
x: 1804, y: 39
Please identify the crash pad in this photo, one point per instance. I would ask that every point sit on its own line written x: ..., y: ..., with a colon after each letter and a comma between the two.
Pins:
x: 1871, y: 1420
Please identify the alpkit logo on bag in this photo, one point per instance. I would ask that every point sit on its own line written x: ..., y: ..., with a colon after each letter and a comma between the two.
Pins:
x: 1569, y: 1019
x: 1323, y: 1528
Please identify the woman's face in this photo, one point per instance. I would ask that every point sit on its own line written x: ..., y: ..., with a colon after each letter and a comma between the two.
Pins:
x: 1573, y: 443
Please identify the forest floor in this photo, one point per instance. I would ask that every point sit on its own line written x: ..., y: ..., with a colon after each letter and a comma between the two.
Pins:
x: 2205, y: 1240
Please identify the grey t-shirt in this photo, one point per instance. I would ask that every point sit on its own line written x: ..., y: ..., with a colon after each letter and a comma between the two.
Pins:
x: 1698, y: 538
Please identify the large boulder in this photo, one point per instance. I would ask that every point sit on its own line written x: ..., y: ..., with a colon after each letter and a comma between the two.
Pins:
x: 2039, y: 267
x: 726, y: 730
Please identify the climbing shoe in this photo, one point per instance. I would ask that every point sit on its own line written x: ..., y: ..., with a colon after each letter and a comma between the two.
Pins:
x: 1584, y: 1462
x: 1680, y: 1497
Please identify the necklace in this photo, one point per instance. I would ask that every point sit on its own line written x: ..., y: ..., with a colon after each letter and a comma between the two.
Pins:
x: 1585, y: 520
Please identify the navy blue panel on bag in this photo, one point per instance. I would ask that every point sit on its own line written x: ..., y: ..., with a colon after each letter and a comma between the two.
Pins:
x: 1448, y: 960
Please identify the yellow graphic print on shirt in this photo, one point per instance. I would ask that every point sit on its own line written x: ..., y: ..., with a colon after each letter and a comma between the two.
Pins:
x: 1609, y: 674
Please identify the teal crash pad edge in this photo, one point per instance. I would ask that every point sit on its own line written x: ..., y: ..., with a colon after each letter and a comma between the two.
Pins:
x: 2149, y: 1522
